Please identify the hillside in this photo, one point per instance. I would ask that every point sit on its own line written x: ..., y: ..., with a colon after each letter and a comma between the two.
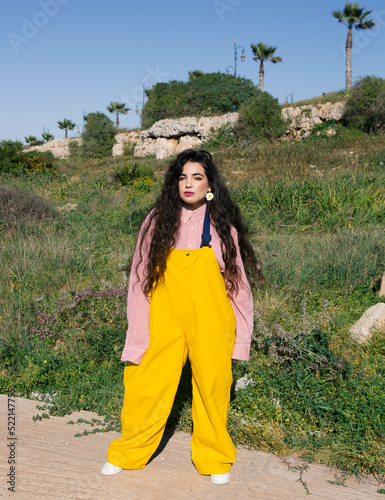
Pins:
x: 315, y: 209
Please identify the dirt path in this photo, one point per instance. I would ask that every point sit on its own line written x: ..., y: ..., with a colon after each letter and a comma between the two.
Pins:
x: 52, y: 463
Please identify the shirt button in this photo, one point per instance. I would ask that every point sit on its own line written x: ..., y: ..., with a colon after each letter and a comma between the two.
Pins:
x: 187, y: 254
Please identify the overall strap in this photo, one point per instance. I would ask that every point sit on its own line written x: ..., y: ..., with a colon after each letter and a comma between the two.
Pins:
x: 206, y: 236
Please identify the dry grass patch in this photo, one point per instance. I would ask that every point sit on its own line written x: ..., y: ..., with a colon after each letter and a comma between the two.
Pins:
x: 18, y: 206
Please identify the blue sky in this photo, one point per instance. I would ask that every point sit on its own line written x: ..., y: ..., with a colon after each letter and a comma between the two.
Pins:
x: 63, y: 58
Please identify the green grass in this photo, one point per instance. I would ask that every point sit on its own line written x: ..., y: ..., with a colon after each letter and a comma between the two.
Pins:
x: 352, y: 200
x: 316, y: 214
x: 315, y: 156
x: 333, y: 97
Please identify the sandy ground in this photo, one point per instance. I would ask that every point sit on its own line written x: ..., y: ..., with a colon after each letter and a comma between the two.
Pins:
x: 52, y: 463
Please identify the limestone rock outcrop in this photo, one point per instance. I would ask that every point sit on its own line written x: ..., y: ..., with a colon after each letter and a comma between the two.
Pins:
x: 162, y: 147
x: 372, y: 319
x: 304, y: 118
x: 201, y: 127
x: 122, y: 139
x: 58, y: 147
x: 171, y: 136
x: 168, y: 137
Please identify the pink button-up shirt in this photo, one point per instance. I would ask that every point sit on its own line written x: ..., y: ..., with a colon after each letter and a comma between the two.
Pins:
x: 189, y: 237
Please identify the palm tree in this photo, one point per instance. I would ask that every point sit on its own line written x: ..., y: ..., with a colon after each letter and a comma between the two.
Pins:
x: 118, y: 108
x: 193, y: 75
x: 263, y: 52
x: 33, y: 141
x: 353, y: 17
x: 66, y: 125
x: 47, y: 136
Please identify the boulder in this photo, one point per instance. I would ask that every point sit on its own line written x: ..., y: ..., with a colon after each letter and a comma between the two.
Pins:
x: 171, y: 136
x: 165, y: 147
x: 304, y: 118
x: 160, y: 147
x: 122, y: 139
x: 58, y: 147
x: 68, y: 207
x: 202, y: 127
x: 171, y: 128
x: 330, y: 111
x: 145, y: 147
x: 372, y: 319
x: 243, y: 382
x: 186, y: 142
x: 207, y: 125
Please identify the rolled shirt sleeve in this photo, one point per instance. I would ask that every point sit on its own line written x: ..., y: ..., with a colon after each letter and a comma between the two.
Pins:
x: 138, y: 307
x: 242, y: 303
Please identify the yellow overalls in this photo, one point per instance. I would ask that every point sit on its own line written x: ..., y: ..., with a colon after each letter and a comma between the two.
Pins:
x: 190, y: 314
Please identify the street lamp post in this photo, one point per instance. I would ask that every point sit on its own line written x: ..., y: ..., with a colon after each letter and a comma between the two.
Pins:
x: 235, y: 55
x: 243, y: 57
x: 137, y: 107
x: 289, y: 96
x: 143, y: 99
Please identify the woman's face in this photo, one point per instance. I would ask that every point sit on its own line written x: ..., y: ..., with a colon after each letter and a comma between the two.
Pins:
x: 193, y: 185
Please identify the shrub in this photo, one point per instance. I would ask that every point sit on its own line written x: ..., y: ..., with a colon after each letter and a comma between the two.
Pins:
x: 127, y: 173
x: 37, y: 161
x: 9, y: 155
x: 33, y: 141
x: 206, y: 94
x: 324, y: 403
x: 223, y: 137
x: 365, y: 109
x: 261, y: 118
x: 98, y: 136
x: 129, y: 148
x: 17, y: 205
x: 76, y: 316
x: 74, y: 148
x: 325, y: 129
x: 13, y: 160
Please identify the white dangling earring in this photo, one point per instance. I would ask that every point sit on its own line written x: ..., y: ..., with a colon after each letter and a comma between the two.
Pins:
x: 209, y: 195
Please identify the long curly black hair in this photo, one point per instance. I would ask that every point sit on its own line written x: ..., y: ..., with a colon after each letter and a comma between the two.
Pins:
x: 164, y: 217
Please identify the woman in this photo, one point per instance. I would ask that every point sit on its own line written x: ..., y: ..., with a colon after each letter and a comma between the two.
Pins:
x: 189, y: 295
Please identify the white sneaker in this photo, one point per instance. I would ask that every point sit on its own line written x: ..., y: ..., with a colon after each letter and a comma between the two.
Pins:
x: 110, y: 469
x: 220, y: 478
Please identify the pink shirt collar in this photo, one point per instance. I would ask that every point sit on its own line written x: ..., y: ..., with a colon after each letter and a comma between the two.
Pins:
x: 199, y: 214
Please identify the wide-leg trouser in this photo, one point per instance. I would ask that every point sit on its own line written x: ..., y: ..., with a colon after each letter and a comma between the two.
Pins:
x: 190, y: 314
